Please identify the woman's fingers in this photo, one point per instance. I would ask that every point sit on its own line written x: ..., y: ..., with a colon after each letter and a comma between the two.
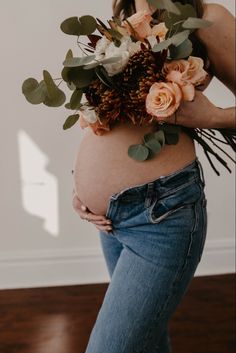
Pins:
x: 84, y: 213
x: 104, y: 229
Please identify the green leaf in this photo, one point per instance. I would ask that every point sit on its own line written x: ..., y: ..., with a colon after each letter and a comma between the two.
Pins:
x: 181, y: 51
x: 193, y: 22
x: 180, y: 37
x: 67, y: 106
x: 80, y: 77
x: 50, y: 84
x: 164, y: 4
x: 173, y: 21
x: 76, y: 99
x: 76, y: 62
x: 138, y: 152
x: 154, y: 145
x: 88, y: 24
x: 103, y: 76
x: 55, y: 97
x: 71, y: 86
x: 162, y: 45
x: 171, y: 139
x: 170, y: 128
x: 29, y: 85
x: 70, y: 121
x: 34, y: 94
x: 160, y: 136
x: 111, y: 60
x: 58, y: 99
x: 84, y: 25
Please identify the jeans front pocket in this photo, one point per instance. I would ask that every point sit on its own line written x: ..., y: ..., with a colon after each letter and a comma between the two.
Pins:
x: 163, y: 207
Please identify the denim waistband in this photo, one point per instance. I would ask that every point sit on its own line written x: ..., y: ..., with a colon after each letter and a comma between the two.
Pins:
x: 188, y: 173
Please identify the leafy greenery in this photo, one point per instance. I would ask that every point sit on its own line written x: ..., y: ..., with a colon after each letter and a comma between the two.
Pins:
x: 84, y: 25
x: 70, y: 121
x: 164, y: 4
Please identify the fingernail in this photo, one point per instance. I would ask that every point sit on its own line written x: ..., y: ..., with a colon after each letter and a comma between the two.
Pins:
x: 83, y: 208
x: 110, y: 228
x: 108, y: 222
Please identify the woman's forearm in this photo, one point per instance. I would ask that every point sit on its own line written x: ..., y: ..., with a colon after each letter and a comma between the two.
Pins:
x: 224, y: 118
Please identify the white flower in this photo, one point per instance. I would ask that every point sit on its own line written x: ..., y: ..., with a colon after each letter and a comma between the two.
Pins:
x: 106, y: 49
x: 101, y: 47
x: 88, y: 115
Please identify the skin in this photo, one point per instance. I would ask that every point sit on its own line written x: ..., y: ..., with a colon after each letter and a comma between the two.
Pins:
x: 200, y: 112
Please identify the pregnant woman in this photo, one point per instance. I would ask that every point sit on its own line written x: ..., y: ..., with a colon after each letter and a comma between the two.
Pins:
x: 151, y: 215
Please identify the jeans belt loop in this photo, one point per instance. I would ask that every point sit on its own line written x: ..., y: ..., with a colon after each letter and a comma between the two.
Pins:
x: 149, y: 194
x: 201, y: 171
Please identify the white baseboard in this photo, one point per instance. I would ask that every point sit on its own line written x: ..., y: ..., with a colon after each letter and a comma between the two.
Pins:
x: 46, y: 268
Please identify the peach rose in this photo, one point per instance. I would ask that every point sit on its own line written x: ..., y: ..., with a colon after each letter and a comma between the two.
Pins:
x: 163, y: 99
x: 159, y: 30
x: 185, y: 71
x: 196, y: 73
x: 140, y: 21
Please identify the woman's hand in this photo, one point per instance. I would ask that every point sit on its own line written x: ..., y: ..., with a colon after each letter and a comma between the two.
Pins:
x: 202, y: 114
x: 100, y: 222
x: 199, y: 113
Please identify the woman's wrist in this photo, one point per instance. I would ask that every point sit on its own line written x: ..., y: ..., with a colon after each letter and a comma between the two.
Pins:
x: 224, y: 118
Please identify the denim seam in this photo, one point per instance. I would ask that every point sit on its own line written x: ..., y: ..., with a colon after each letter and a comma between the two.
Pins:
x: 176, y: 280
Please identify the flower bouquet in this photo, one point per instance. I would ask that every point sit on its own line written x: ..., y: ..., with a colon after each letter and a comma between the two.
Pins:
x: 138, y: 69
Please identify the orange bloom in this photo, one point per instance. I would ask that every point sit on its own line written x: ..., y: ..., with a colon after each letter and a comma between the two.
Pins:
x: 163, y: 99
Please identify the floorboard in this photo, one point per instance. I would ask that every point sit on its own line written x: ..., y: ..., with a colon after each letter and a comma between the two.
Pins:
x: 60, y: 319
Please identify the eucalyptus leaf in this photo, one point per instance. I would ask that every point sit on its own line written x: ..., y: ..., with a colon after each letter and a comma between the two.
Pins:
x: 180, y: 37
x: 76, y: 99
x: 103, y: 76
x: 111, y: 60
x: 80, y: 77
x: 138, y: 152
x: 154, y: 145
x: 181, y: 51
x: 67, y: 106
x: 52, y: 89
x: 57, y: 100
x: 162, y: 45
x: 193, y: 22
x: 164, y: 4
x: 88, y: 24
x: 171, y: 139
x: 71, y: 86
x: 76, y: 62
x: 174, y: 21
x: 29, y: 85
x: 70, y: 121
x: 84, y: 25
x: 36, y: 95
x: 169, y: 128
x: 160, y: 136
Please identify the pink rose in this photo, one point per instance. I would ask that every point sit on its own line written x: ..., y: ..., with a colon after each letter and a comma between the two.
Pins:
x: 140, y: 21
x: 163, y: 99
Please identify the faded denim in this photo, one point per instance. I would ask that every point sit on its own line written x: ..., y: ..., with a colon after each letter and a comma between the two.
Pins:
x: 159, y: 231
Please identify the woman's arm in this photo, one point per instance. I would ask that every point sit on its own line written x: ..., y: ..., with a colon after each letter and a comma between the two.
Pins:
x: 219, y: 40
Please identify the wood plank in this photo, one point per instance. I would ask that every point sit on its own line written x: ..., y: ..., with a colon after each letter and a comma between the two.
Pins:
x: 60, y: 319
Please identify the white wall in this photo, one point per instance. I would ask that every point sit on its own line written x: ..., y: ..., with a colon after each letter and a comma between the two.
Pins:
x: 42, y: 240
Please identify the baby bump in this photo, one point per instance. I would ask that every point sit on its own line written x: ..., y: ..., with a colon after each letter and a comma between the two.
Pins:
x: 102, y: 166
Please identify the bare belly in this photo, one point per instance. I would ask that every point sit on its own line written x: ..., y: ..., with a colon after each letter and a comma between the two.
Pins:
x: 102, y: 166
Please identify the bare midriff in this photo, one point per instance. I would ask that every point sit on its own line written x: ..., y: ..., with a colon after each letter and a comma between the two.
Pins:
x: 102, y: 166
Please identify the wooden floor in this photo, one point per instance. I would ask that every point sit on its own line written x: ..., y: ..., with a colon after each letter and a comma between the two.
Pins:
x: 60, y: 319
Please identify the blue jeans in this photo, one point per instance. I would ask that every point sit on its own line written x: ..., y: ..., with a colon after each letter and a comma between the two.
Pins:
x: 158, y: 236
